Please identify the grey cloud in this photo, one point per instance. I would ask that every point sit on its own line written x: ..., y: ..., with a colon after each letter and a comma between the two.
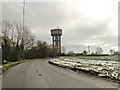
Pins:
x: 77, y: 29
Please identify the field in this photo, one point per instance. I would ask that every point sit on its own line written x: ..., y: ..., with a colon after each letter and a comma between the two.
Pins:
x: 103, y: 66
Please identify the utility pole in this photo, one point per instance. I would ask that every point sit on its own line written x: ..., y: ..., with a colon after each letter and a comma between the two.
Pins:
x: 23, y: 22
x: 89, y: 50
x: 23, y: 13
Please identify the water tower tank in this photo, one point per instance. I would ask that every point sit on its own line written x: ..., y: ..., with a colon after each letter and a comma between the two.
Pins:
x: 56, y: 32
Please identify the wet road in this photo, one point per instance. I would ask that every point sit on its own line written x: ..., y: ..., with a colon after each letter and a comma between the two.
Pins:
x: 41, y: 74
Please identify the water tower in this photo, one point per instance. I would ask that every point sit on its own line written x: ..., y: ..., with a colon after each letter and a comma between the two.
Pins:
x: 56, y: 38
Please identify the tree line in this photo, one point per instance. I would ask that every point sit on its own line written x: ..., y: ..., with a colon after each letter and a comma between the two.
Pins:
x: 99, y: 52
x: 19, y: 43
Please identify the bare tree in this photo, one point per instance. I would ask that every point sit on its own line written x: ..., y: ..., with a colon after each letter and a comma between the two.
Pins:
x: 71, y: 53
x: 99, y: 50
x: 54, y: 50
x: 112, y: 51
x: 63, y: 49
x: 85, y: 52
x: 18, y: 34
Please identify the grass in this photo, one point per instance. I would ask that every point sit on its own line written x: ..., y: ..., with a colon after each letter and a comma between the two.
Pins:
x: 61, y: 59
x: 11, y: 64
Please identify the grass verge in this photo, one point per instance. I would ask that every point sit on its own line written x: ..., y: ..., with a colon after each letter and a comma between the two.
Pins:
x: 7, y: 66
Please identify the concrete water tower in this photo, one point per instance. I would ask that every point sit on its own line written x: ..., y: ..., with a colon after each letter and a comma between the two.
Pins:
x: 56, y: 38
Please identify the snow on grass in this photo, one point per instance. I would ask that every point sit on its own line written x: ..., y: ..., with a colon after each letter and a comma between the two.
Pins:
x: 102, y: 67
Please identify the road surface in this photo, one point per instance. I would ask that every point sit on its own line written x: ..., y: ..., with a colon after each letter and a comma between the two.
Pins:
x: 41, y: 74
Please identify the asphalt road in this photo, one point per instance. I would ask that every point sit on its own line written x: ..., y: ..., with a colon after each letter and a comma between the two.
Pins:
x: 40, y: 74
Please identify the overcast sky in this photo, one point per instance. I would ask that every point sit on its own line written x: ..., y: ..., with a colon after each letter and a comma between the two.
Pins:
x: 84, y: 23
